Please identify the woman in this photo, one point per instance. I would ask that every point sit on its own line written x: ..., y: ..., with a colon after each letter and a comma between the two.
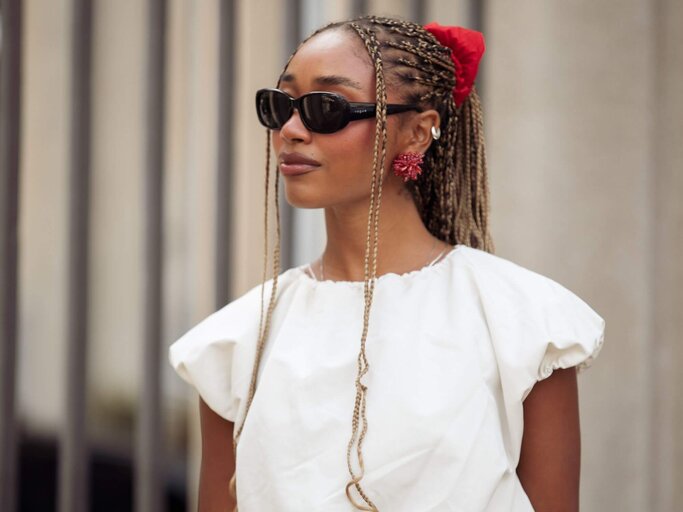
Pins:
x: 461, y: 394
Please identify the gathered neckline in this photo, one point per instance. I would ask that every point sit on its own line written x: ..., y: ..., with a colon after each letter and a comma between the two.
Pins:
x: 388, y: 275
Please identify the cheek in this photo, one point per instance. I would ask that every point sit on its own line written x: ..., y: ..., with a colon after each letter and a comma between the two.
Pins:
x: 355, y: 151
x: 351, y: 149
x: 275, y: 140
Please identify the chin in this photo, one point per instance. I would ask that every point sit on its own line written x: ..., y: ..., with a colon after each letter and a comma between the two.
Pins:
x: 298, y: 197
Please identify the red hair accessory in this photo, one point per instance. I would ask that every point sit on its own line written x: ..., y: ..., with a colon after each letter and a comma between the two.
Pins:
x: 467, y: 47
x: 408, y: 165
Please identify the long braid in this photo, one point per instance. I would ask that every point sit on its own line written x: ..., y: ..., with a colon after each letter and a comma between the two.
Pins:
x: 451, y: 196
x: 263, y: 327
x: 379, y: 157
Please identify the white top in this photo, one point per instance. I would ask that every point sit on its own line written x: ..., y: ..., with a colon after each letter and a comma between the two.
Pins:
x: 453, y: 350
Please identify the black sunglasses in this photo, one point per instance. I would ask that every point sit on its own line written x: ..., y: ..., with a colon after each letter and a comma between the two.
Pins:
x: 320, y: 112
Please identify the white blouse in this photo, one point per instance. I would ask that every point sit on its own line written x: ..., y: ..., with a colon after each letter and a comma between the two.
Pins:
x: 453, y: 350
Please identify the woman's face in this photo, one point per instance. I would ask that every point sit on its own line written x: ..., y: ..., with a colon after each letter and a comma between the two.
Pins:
x: 334, y: 61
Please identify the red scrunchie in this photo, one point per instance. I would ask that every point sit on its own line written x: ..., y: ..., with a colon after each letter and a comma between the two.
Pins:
x: 467, y: 47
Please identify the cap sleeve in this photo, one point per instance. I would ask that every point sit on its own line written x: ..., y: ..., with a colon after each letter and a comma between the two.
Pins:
x: 575, y: 333
x: 216, y: 355
x: 536, y: 326
x: 551, y: 328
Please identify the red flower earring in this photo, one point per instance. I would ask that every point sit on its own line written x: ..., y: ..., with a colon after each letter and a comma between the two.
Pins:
x: 408, y: 165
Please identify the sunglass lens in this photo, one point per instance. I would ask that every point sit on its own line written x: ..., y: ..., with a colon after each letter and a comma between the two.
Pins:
x: 273, y: 108
x: 324, y: 113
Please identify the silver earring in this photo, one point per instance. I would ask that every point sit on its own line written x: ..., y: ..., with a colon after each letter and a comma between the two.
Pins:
x: 436, y: 132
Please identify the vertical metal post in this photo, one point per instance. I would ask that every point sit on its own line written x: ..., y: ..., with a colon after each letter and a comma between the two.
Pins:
x: 292, y: 26
x: 73, y: 459
x: 226, y: 150
x: 477, y: 9
x: 418, y: 11
x: 292, y: 30
x: 10, y: 90
x: 149, y: 462
x: 359, y: 7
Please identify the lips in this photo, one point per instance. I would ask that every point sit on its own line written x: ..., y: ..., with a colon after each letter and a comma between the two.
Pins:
x: 292, y: 164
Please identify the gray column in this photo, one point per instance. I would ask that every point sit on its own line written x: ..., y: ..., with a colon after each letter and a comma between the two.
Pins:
x: 149, y: 461
x: 226, y: 149
x: 73, y: 454
x: 666, y: 412
x: 10, y: 86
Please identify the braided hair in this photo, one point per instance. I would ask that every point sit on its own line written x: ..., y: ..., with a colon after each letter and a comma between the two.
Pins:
x: 451, y: 194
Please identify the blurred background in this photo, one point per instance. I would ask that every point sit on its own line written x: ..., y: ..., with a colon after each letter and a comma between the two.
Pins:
x: 131, y: 200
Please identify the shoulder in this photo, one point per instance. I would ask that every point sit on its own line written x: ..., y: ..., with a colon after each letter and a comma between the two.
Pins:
x: 504, y: 274
x: 513, y: 296
x: 237, y: 320
x: 216, y: 355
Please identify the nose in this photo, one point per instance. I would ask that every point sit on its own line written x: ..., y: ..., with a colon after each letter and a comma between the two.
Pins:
x: 294, y: 130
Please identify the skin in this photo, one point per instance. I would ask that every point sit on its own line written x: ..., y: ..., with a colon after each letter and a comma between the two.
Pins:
x: 550, y: 455
x: 550, y: 459
x: 218, y: 461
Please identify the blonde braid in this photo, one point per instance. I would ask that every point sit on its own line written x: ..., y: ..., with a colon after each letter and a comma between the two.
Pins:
x: 263, y: 328
x: 379, y: 157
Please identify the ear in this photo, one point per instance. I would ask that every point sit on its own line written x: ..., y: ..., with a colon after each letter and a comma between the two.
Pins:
x: 416, y: 135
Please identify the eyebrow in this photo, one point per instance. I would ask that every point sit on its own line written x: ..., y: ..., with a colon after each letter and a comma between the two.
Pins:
x: 326, y: 80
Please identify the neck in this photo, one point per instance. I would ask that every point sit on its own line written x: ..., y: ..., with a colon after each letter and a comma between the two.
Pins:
x: 404, y: 242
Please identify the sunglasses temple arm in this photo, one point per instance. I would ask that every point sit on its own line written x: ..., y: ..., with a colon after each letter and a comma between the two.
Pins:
x: 368, y: 112
x: 397, y: 109
x: 361, y: 113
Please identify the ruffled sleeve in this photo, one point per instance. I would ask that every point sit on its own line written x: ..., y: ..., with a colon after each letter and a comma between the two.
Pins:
x: 536, y: 326
x: 216, y: 355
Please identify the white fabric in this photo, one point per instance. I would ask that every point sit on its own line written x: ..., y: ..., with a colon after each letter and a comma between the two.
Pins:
x: 453, y: 350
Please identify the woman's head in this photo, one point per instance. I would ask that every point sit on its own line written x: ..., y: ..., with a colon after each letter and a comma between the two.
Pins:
x: 333, y: 60
x: 382, y: 61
